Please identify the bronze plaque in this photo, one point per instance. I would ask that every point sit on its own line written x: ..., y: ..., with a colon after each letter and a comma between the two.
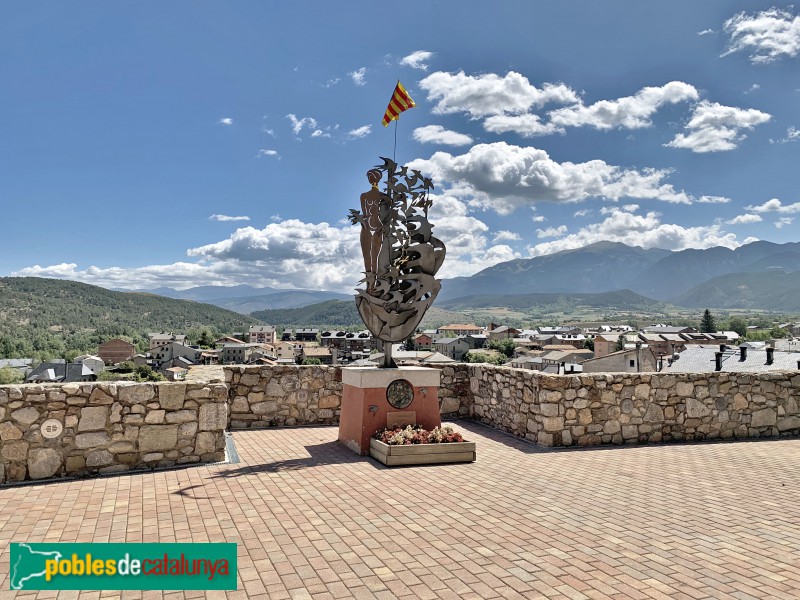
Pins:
x: 406, y: 417
x: 400, y: 393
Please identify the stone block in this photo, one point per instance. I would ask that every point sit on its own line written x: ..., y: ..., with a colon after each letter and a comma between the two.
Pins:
x: 630, y: 432
x: 138, y: 393
x: 99, y: 397
x: 611, y: 427
x: 9, y: 431
x: 553, y: 424
x: 696, y: 409
x: 206, y: 442
x: 171, y: 395
x: 71, y: 388
x: 788, y: 423
x: 654, y: 414
x: 157, y: 437
x: 764, y: 418
x: 449, y: 405
x: 93, y: 418
x: 739, y: 402
x: 26, y: 415
x: 75, y: 463
x: 240, y: 405
x: 187, y: 430
x: 16, y: 450
x: 121, y: 446
x: 549, y: 410
x: 151, y: 456
x: 181, y: 416
x: 213, y: 416
x: 155, y: 417
x: 333, y: 401
x: 99, y: 458
x: 43, y: 463
x: 92, y: 440
x: 264, y: 408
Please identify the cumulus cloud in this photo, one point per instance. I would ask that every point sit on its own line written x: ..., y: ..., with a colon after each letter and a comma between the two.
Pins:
x: 538, y: 219
x: 713, y: 200
x: 630, y: 112
x: 527, y: 126
x: 436, y: 134
x: 489, y: 94
x: 502, y: 177
x: 644, y: 230
x: 744, y: 219
x: 551, y: 232
x: 299, y: 124
x: 359, y: 76
x: 360, y: 132
x: 715, y: 128
x: 417, y: 60
x: 768, y: 35
x: 792, y: 135
x: 582, y: 213
x: 227, y: 218
x: 225, y: 121
x: 775, y: 205
x: 783, y: 221
x: 267, y: 152
x: 505, y: 236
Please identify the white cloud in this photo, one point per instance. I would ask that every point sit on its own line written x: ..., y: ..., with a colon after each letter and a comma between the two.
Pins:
x: 502, y: 177
x: 436, y: 134
x: 551, y: 232
x: 783, y: 221
x: 505, y: 236
x: 227, y: 218
x: 359, y: 76
x: 630, y: 112
x: 360, y: 132
x: 270, y: 132
x: 792, y: 135
x: 582, y: 213
x: 225, y: 121
x: 528, y: 125
x: 753, y: 88
x: 267, y: 152
x: 646, y: 231
x: 775, y: 205
x: 713, y: 200
x: 715, y: 128
x: 744, y: 219
x: 417, y: 60
x: 332, y: 82
x: 299, y: 124
x: 490, y: 94
x: 706, y: 32
x: 538, y: 219
x: 320, y: 133
x: 769, y: 34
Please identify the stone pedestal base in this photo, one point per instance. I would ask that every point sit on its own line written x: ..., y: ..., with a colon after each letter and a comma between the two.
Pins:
x: 366, y: 410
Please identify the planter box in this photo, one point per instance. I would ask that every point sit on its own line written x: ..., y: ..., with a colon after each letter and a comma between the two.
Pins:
x: 422, y: 454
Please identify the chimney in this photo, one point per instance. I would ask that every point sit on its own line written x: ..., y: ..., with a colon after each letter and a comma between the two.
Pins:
x: 770, y: 355
x: 718, y: 361
x: 742, y: 352
x: 722, y: 347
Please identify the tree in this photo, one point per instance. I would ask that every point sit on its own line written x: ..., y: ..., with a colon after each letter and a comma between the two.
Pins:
x: 620, y: 344
x: 483, y: 357
x: 707, y: 323
x: 589, y: 344
x: 739, y: 325
x: 506, y: 347
x: 9, y: 375
x: 409, y: 345
x: 311, y: 360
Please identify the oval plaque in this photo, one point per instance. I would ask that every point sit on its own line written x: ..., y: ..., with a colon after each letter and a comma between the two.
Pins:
x: 52, y: 428
x: 400, y: 393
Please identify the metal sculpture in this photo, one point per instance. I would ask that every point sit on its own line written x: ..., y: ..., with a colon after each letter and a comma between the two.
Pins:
x: 401, y: 256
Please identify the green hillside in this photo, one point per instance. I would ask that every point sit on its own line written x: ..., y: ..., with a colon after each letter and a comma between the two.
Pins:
x: 619, y: 300
x: 338, y: 314
x: 44, y: 318
x: 771, y: 290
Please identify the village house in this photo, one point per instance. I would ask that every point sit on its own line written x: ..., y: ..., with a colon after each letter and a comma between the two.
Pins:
x: 261, y: 334
x: 724, y: 358
x: 636, y: 360
x: 327, y: 356
x: 454, y: 348
x: 60, y: 372
x: 162, y: 339
x: 459, y: 330
x: 116, y: 351
x: 95, y: 363
x: 503, y: 332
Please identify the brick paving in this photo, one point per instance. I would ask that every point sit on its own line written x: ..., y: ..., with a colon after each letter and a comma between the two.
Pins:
x: 313, y: 520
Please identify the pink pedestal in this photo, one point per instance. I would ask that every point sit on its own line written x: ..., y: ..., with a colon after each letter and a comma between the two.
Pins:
x: 366, y: 410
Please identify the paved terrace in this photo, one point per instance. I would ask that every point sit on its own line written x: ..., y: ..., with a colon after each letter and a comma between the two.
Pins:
x: 312, y: 520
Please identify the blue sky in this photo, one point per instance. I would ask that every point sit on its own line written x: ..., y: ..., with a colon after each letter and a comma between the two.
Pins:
x: 192, y: 143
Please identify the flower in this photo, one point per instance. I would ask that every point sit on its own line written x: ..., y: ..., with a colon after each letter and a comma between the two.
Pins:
x: 414, y: 434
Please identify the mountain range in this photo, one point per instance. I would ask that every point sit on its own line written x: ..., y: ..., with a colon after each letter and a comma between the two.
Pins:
x: 681, y: 278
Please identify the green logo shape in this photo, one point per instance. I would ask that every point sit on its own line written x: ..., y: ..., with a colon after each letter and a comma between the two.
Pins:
x: 99, y: 566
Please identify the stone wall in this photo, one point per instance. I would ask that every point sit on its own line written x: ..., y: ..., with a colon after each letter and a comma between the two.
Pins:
x: 284, y: 395
x: 109, y: 427
x: 587, y: 410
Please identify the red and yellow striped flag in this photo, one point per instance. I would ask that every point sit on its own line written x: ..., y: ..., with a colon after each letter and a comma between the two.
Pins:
x: 400, y: 101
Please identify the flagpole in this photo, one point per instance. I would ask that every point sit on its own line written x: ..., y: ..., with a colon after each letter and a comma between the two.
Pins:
x: 394, y: 152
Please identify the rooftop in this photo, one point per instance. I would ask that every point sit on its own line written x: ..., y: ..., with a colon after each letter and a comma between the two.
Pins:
x: 314, y: 520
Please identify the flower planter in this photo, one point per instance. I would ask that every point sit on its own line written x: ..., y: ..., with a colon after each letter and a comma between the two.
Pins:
x: 422, y: 454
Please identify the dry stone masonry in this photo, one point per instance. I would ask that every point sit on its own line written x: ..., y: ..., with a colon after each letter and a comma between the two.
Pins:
x: 109, y: 427
x: 285, y: 395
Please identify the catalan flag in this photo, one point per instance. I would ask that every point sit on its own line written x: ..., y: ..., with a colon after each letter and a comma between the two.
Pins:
x: 400, y: 101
